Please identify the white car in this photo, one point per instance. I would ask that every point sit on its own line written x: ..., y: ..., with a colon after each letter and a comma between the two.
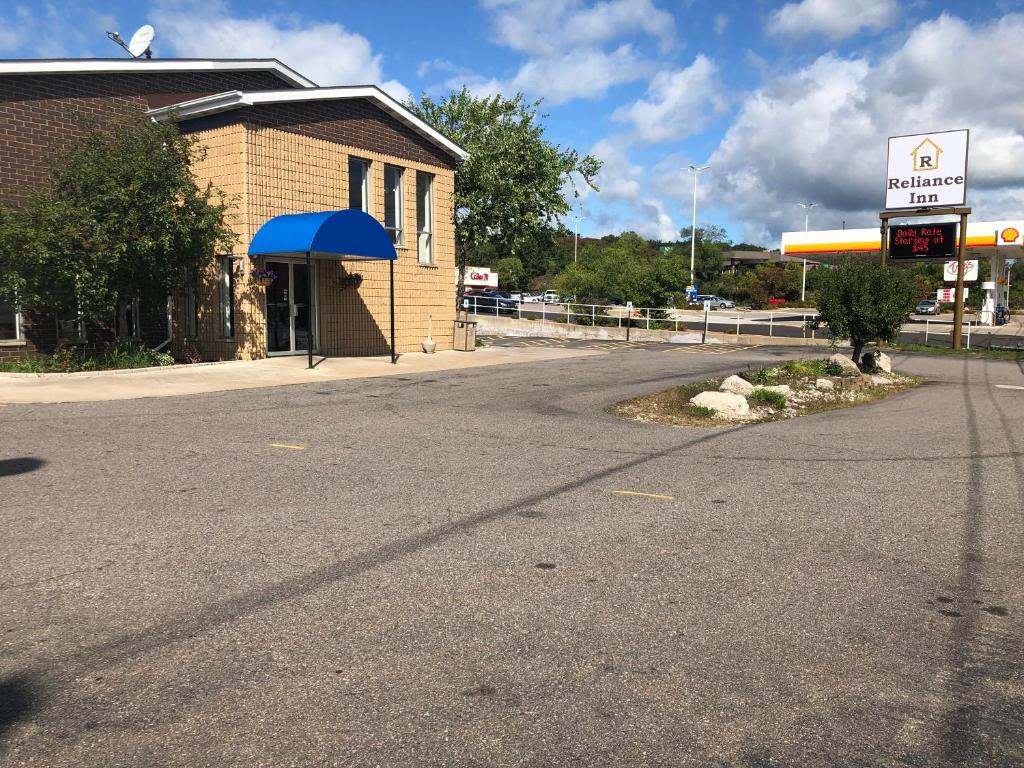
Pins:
x: 549, y: 297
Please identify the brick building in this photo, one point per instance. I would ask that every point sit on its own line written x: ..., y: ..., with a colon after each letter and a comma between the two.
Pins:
x: 277, y: 144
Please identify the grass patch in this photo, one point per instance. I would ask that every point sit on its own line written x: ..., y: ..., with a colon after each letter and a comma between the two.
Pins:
x: 992, y: 354
x: 128, y: 354
x: 768, y: 398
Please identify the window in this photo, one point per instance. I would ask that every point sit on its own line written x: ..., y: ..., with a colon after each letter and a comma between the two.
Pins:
x: 10, y: 322
x: 70, y: 327
x: 191, y: 312
x: 227, y: 297
x: 359, y: 184
x: 130, y: 326
x: 393, y: 203
x: 425, y: 216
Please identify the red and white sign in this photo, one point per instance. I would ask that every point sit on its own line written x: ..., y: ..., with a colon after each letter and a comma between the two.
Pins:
x: 480, y: 277
x: 970, y: 271
x: 948, y: 295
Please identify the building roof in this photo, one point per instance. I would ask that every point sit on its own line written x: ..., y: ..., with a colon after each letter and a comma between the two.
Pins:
x: 126, y: 66
x: 231, y: 100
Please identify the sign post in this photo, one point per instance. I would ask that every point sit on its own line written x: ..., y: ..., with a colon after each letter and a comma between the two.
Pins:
x: 926, y: 175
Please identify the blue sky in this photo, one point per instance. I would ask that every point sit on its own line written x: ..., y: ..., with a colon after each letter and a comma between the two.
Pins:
x: 787, y: 101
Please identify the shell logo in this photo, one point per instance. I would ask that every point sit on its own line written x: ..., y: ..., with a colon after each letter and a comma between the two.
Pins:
x: 1009, y: 235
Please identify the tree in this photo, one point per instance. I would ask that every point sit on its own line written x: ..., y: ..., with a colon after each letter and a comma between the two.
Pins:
x: 864, y: 301
x: 121, y: 216
x: 510, y: 191
x: 510, y: 272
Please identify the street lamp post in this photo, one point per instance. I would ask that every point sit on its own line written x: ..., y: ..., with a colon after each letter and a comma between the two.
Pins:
x: 807, y: 221
x: 696, y: 171
x: 576, y: 238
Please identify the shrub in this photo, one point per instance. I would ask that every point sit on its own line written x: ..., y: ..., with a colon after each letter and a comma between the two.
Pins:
x: 806, y: 368
x: 126, y: 354
x: 700, y: 410
x: 769, y: 398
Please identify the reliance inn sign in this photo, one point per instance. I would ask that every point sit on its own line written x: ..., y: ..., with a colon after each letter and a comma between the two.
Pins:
x: 927, y: 170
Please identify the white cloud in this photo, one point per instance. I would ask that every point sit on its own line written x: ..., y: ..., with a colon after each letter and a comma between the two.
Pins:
x: 678, y: 103
x: 721, y: 23
x: 836, y: 19
x: 627, y: 202
x: 820, y: 133
x: 325, y: 52
x: 570, y: 47
x: 548, y: 28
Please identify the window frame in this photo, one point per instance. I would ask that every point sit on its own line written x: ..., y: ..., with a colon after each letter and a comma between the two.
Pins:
x: 425, y: 228
x: 226, y: 297
x: 18, y: 330
x: 365, y: 186
x: 396, y: 230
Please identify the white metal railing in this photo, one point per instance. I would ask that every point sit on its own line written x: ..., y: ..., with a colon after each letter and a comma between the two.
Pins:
x: 928, y: 323
x: 661, y: 318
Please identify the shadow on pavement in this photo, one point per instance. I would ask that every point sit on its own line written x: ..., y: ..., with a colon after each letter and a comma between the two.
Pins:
x: 18, y: 700
x: 19, y: 466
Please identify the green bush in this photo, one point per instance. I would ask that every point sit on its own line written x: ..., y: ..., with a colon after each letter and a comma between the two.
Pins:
x: 769, y: 398
x: 126, y: 354
x: 808, y: 368
x: 700, y: 410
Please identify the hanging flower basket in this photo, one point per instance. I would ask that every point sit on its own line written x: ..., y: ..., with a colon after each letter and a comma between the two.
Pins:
x: 263, y: 276
x: 350, y: 279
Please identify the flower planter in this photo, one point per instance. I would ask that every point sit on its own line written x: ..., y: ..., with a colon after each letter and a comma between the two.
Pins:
x: 264, y: 282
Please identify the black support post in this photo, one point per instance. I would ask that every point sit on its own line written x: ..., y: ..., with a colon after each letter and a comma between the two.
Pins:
x: 391, y: 273
x: 309, y: 308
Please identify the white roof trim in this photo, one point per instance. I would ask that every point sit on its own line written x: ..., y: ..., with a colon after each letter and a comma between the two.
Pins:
x: 100, y: 66
x: 223, y: 102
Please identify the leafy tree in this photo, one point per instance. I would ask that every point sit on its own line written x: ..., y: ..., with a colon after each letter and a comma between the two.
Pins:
x: 712, y: 241
x: 624, y: 268
x: 510, y: 272
x: 510, y: 191
x: 864, y: 301
x: 120, y: 216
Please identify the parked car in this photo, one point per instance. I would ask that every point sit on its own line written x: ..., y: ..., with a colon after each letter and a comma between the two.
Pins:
x: 531, y: 298
x: 491, y: 303
x: 717, y: 302
x: 516, y: 296
x: 549, y: 297
x: 927, y: 307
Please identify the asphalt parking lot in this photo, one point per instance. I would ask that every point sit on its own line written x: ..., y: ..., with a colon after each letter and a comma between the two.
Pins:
x: 484, y: 568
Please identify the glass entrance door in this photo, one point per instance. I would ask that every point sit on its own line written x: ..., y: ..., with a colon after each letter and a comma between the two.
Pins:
x: 290, y: 313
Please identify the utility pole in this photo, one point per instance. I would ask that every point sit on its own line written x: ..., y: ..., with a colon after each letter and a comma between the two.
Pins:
x: 807, y: 222
x: 696, y: 171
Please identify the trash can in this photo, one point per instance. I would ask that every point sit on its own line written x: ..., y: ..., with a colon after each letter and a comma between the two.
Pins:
x: 465, y: 333
x: 1000, y: 316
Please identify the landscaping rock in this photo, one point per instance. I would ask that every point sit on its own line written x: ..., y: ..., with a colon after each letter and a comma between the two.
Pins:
x: 727, y: 405
x: 876, y: 361
x: 824, y: 385
x: 881, y: 381
x: 783, y: 389
x: 737, y: 385
x: 848, y: 366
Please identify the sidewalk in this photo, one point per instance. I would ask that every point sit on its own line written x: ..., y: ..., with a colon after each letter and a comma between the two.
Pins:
x: 246, y: 374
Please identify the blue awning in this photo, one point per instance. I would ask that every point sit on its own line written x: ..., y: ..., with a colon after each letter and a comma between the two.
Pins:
x: 348, y: 234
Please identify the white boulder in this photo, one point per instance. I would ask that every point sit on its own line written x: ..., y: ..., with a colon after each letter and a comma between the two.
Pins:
x: 877, y: 361
x: 737, y: 385
x: 726, y: 405
x: 845, y: 363
x: 824, y: 385
x: 881, y: 381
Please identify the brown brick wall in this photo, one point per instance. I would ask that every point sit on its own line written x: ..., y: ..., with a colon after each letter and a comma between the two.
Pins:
x: 273, y: 172
x: 41, y: 113
x: 357, y: 123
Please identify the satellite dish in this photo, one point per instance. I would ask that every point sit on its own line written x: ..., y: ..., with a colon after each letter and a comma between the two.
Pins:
x: 141, y: 40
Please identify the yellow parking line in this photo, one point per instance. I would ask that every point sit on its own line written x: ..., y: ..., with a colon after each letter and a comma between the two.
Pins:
x: 647, y: 495
x: 286, y: 445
